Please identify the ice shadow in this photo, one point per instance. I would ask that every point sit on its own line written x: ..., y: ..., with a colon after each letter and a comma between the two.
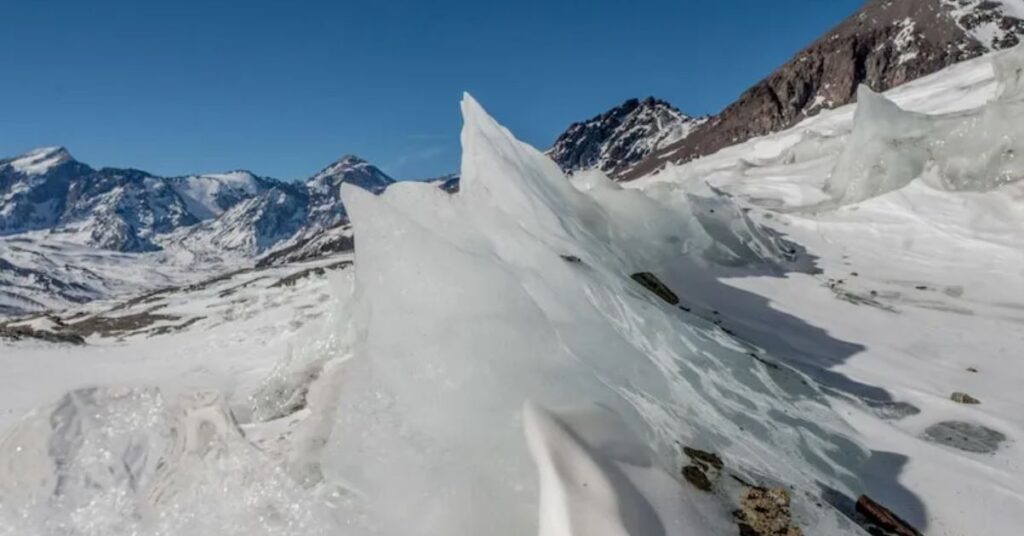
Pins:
x: 778, y: 338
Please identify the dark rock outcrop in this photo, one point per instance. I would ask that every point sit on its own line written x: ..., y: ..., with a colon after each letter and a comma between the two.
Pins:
x: 880, y: 520
x: 621, y: 137
x: 653, y: 284
x: 885, y: 44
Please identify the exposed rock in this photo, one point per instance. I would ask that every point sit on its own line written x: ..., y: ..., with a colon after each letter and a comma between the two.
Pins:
x: 18, y: 333
x: 703, y: 458
x: 964, y: 398
x: 621, y: 137
x: 653, y: 284
x: 449, y: 183
x: 881, y: 521
x: 290, y: 280
x: 883, y: 45
x: 334, y: 240
x: 964, y: 436
x: 694, y: 475
x: 113, y: 326
x: 766, y: 512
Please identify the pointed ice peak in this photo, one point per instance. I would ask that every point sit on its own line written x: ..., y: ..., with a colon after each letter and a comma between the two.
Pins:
x: 41, y: 160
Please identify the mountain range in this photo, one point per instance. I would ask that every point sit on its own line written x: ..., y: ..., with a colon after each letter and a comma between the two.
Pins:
x: 222, y: 220
x: 129, y: 210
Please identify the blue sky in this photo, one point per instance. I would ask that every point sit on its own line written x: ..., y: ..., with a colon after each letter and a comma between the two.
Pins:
x: 283, y: 88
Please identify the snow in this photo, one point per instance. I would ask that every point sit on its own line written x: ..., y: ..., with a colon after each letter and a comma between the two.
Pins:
x: 204, y: 194
x: 935, y: 269
x: 990, y: 31
x: 491, y: 367
x: 39, y: 161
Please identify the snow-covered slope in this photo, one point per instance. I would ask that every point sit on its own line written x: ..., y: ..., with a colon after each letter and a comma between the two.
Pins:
x: 208, y: 196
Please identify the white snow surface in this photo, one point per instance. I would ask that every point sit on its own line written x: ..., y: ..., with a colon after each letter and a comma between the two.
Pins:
x: 491, y: 368
x: 38, y: 161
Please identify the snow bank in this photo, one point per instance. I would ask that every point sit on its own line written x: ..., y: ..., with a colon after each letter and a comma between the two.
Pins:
x: 978, y: 150
x: 517, y: 289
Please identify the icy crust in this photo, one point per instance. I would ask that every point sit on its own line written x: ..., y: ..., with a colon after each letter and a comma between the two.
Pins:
x: 977, y: 150
x: 517, y: 289
x: 118, y: 461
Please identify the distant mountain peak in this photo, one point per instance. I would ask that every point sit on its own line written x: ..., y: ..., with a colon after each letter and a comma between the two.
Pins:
x: 349, y: 169
x: 352, y: 160
x: 619, y: 138
x: 39, y: 161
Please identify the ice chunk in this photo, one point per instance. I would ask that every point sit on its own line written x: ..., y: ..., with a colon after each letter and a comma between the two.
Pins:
x: 978, y: 150
x: 886, y: 150
x: 1009, y: 71
x: 468, y: 308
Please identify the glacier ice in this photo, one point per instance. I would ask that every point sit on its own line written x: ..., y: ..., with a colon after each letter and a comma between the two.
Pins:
x: 468, y: 309
x: 971, y: 151
x: 886, y: 150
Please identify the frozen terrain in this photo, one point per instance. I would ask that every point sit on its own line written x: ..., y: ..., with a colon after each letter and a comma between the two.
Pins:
x: 540, y: 355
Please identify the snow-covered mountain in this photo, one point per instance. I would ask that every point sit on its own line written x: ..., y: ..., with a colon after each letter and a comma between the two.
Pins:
x: 884, y: 44
x: 54, y: 207
x: 326, y: 208
x: 621, y: 137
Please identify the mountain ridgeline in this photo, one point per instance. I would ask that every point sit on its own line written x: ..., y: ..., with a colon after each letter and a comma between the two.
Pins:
x: 129, y: 210
x: 884, y: 44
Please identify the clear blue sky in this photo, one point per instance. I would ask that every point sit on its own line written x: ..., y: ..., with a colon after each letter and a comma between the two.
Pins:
x: 283, y: 88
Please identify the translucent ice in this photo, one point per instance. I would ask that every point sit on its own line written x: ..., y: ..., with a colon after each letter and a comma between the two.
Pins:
x: 977, y: 150
x: 517, y: 289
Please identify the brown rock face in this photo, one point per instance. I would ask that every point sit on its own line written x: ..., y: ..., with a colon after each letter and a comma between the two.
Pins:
x: 881, y: 520
x: 883, y: 45
x: 765, y: 512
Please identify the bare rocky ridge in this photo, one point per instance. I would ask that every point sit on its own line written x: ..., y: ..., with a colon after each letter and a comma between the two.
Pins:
x: 621, y: 137
x: 885, y: 44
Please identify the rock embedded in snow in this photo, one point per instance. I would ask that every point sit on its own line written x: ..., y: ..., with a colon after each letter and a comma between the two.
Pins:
x: 653, y: 284
x: 880, y: 519
x: 964, y: 398
x: 766, y: 512
x: 966, y: 436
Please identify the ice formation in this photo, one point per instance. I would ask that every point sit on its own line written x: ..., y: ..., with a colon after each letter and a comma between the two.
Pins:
x: 885, y: 151
x: 516, y: 291
x: 978, y: 150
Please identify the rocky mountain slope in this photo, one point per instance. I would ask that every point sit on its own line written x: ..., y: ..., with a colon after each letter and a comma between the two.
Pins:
x: 884, y: 44
x: 621, y: 137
